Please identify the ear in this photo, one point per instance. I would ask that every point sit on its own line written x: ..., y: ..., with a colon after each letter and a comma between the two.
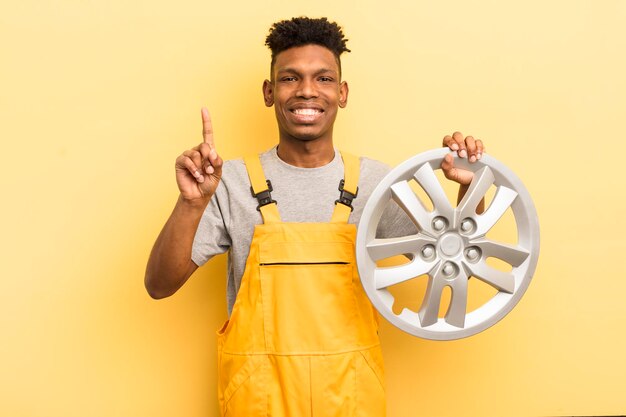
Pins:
x: 268, y: 93
x: 343, y: 94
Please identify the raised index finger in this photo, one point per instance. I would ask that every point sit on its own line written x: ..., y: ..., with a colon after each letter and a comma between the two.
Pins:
x: 207, y: 128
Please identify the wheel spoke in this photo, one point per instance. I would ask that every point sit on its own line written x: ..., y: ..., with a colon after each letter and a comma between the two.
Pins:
x: 405, y: 197
x: 501, y: 202
x: 429, y: 311
x: 483, y: 179
x: 426, y: 177
x: 387, y: 276
x: 503, y: 281
x: 513, y: 255
x: 458, y: 303
x: 385, y: 248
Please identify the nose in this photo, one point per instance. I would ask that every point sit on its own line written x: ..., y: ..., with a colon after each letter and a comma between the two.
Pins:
x: 306, y: 89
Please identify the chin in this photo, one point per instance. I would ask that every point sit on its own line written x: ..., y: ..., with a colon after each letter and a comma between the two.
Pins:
x: 306, y: 138
x: 304, y: 135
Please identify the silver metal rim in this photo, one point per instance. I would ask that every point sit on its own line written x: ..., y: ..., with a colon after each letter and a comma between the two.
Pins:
x: 449, y: 247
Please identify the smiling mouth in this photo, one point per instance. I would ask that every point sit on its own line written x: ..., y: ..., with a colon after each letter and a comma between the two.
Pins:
x: 307, y: 112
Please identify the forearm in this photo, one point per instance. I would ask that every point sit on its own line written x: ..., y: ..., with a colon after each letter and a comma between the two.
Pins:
x: 170, y: 264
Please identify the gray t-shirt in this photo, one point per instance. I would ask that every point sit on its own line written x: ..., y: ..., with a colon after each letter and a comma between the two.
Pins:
x: 302, y: 195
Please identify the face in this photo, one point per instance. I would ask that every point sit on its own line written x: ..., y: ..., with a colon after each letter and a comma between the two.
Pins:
x: 306, y: 92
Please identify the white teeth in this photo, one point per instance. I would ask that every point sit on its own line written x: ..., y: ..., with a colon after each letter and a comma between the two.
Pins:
x: 307, y: 112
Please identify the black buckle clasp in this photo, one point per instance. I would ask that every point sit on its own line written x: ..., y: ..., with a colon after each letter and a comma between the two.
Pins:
x: 264, y: 197
x: 346, y: 197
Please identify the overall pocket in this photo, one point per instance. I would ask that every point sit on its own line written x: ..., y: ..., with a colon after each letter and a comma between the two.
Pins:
x: 308, y: 297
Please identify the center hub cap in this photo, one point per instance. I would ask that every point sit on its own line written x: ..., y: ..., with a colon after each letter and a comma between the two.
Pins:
x: 450, y: 244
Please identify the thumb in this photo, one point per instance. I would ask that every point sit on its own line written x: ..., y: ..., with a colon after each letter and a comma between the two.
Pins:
x: 216, y: 162
x: 452, y: 173
x: 213, y: 168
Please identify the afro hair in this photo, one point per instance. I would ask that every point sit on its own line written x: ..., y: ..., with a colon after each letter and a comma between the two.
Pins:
x: 300, y: 31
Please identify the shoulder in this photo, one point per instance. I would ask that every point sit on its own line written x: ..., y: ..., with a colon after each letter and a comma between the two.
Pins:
x: 372, y: 170
x: 233, y: 171
x: 233, y: 166
x: 234, y: 181
x: 373, y: 165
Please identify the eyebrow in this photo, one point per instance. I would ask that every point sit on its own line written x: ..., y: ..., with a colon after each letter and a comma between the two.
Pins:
x: 295, y: 71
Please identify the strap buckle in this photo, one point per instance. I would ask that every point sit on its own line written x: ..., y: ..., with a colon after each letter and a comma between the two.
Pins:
x: 346, y: 197
x: 264, y: 197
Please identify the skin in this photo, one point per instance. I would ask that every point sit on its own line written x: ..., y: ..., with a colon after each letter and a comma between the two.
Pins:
x: 305, y: 78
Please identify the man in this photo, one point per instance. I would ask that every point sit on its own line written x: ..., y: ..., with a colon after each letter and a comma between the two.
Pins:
x: 302, y: 337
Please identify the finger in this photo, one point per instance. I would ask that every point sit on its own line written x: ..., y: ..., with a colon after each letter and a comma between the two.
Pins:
x: 207, y: 128
x: 186, y: 162
x: 480, y: 148
x: 447, y: 164
x: 458, y: 138
x: 215, y: 163
x: 450, y: 143
x: 449, y: 171
x: 205, y: 151
x: 452, y: 173
x: 196, y: 157
x: 470, y: 143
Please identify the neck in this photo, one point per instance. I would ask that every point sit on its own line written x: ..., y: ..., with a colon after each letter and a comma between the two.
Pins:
x: 306, y: 154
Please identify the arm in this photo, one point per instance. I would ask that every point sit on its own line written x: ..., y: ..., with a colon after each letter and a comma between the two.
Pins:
x: 198, y: 172
x: 170, y: 264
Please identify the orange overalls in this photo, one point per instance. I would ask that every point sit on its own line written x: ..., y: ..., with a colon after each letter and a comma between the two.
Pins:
x: 302, y: 338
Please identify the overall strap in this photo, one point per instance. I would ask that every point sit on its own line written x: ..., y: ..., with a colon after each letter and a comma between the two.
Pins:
x: 348, y: 188
x: 261, y: 189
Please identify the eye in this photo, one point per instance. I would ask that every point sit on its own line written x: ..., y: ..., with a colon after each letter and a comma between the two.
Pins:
x: 288, y: 78
x: 325, y: 79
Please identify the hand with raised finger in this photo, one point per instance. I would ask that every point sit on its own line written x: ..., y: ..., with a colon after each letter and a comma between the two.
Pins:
x: 199, y: 170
